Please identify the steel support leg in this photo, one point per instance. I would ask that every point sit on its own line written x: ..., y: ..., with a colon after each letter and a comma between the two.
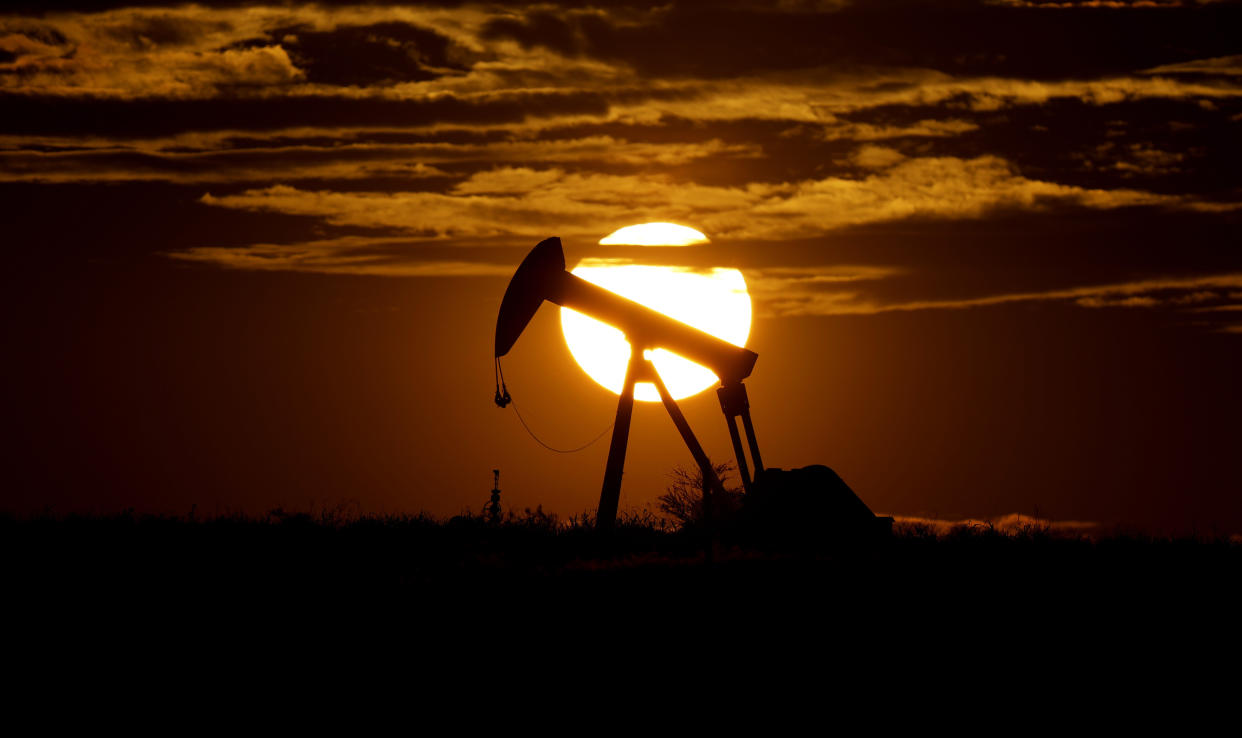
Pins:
x: 752, y: 441
x: 740, y: 454
x: 610, y: 495
x: 687, y: 435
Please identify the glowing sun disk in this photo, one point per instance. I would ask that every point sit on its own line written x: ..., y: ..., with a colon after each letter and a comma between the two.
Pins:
x: 713, y: 300
x: 654, y: 234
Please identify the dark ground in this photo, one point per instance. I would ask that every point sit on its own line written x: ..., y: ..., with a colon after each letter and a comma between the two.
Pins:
x: 299, y: 596
x: 292, y: 555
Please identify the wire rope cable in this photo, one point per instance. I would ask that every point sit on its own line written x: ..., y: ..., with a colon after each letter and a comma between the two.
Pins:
x: 503, y: 398
x: 538, y: 440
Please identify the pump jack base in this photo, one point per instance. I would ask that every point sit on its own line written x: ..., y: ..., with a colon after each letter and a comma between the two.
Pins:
x: 808, y: 506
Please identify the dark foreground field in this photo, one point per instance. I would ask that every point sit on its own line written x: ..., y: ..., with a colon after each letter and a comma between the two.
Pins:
x: 537, y: 558
x: 478, y: 610
x: 294, y: 592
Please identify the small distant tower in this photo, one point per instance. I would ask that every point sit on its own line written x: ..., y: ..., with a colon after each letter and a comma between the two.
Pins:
x: 491, y: 511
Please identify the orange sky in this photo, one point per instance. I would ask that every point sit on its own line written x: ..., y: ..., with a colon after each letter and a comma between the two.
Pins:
x: 257, y: 252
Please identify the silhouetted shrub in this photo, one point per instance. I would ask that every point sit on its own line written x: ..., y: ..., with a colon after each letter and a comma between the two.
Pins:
x: 683, y: 501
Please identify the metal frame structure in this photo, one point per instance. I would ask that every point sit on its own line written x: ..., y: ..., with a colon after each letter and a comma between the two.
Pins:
x: 542, y: 276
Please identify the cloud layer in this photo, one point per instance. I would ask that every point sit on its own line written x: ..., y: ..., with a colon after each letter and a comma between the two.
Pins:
x: 385, y: 128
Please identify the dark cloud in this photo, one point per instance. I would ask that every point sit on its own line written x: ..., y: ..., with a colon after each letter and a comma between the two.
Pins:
x: 964, y: 39
x: 50, y: 6
x: 1098, y: 146
x: 164, y: 29
x: 1036, y: 249
x: 47, y: 115
x: 539, y: 28
x: 372, y: 54
x: 353, y: 156
x: 286, y: 165
x: 41, y: 32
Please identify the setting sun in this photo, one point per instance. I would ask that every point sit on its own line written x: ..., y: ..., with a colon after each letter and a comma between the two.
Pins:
x: 713, y: 300
x: 654, y: 234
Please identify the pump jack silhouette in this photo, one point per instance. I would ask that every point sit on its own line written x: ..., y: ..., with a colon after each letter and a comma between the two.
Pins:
x: 542, y: 276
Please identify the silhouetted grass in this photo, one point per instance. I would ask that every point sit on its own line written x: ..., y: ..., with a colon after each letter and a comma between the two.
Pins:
x: 230, y: 568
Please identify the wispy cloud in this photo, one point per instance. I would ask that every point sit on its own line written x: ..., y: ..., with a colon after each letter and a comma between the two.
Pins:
x: 519, y: 200
x: 1223, y: 65
x: 169, y: 160
x: 351, y: 255
x: 794, y: 296
x: 1011, y: 524
x: 195, y: 51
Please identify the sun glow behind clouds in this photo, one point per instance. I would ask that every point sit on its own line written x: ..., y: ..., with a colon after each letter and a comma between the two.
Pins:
x: 714, y: 300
